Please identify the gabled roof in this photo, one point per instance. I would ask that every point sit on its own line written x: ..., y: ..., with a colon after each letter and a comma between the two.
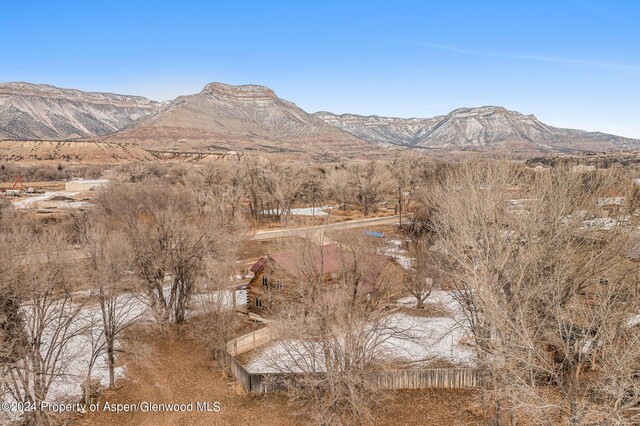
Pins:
x: 256, y: 267
x: 326, y: 260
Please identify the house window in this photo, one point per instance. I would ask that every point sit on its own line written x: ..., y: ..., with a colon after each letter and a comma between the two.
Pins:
x: 279, y: 285
x: 258, y: 302
x: 265, y: 282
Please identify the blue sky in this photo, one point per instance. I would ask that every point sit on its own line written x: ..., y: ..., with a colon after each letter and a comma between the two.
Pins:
x: 571, y: 63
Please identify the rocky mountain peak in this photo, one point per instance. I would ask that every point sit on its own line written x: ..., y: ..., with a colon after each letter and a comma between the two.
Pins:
x: 241, y: 91
x: 479, y: 128
x: 483, y: 111
x: 224, y: 117
x: 488, y: 111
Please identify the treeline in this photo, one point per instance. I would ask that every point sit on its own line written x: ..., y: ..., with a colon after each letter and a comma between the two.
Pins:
x: 260, y: 187
x: 549, y: 289
x: 48, y: 172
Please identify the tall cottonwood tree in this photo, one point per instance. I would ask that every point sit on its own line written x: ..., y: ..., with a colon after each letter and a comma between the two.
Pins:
x: 328, y: 325
x: 338, y: 185
x: 219, y: 186
x: 41, y: 336
x: 549, y: 292
x: 109, y: 266
x: 283, y: 183
x: 424, y: 274
x: 370, y: 182
x: 171, y: 240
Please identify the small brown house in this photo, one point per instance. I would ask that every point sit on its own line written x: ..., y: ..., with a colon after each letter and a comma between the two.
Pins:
x: 275, y: 276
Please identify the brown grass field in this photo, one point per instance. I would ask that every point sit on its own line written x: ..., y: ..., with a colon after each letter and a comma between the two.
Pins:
x: 170, y: 369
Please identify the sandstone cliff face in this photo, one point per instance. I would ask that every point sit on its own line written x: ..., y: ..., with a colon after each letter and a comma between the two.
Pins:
x: 484, y: 128
x: 43, y: 112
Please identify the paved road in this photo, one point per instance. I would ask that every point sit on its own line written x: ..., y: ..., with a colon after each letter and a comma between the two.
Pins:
x: 78, y: 254
x: 361, y: 223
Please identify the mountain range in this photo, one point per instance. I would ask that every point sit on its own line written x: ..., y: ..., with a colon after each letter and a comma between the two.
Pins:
x: 44, y: 112
x: 225, y: 118
x: 483, y: 128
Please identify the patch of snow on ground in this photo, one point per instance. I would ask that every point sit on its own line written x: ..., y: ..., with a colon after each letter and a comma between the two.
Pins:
x: 429, y: 338
x: 80, y: 348
x: 407, y: 338
x: 28, y: 201
x: 394, y: 249
x: 438, y: 297
x: 302, y: 211
x: 224, y: 298
x: 67, y: 387
x: 74, y: 359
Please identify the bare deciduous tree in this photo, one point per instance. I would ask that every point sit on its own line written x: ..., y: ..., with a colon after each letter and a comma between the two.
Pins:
x: 370, y: 182
x: 109, y: 258
x: 283, y: 183
x: 43, y: 338
x: 172, y: 239
x: 547, y: 289
x: 332, y: 330
x: 339, y: 187
x: 217, y: 322
x: 423, y: 274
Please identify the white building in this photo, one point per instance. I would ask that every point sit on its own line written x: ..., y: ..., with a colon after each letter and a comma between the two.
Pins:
x: 78, y: 185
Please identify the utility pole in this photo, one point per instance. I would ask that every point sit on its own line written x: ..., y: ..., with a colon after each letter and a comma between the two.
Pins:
x: 400, y: 203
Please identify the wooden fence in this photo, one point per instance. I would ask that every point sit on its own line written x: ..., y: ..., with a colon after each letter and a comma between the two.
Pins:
x: 238, y: 371
x: 441, y: 378
x: 249, y: 341
x: 444, y: 378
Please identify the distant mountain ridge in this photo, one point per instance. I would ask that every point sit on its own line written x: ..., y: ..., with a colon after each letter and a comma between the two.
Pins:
x: 43, y: 112
x: 250, y: 117
x: 483, y: 128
